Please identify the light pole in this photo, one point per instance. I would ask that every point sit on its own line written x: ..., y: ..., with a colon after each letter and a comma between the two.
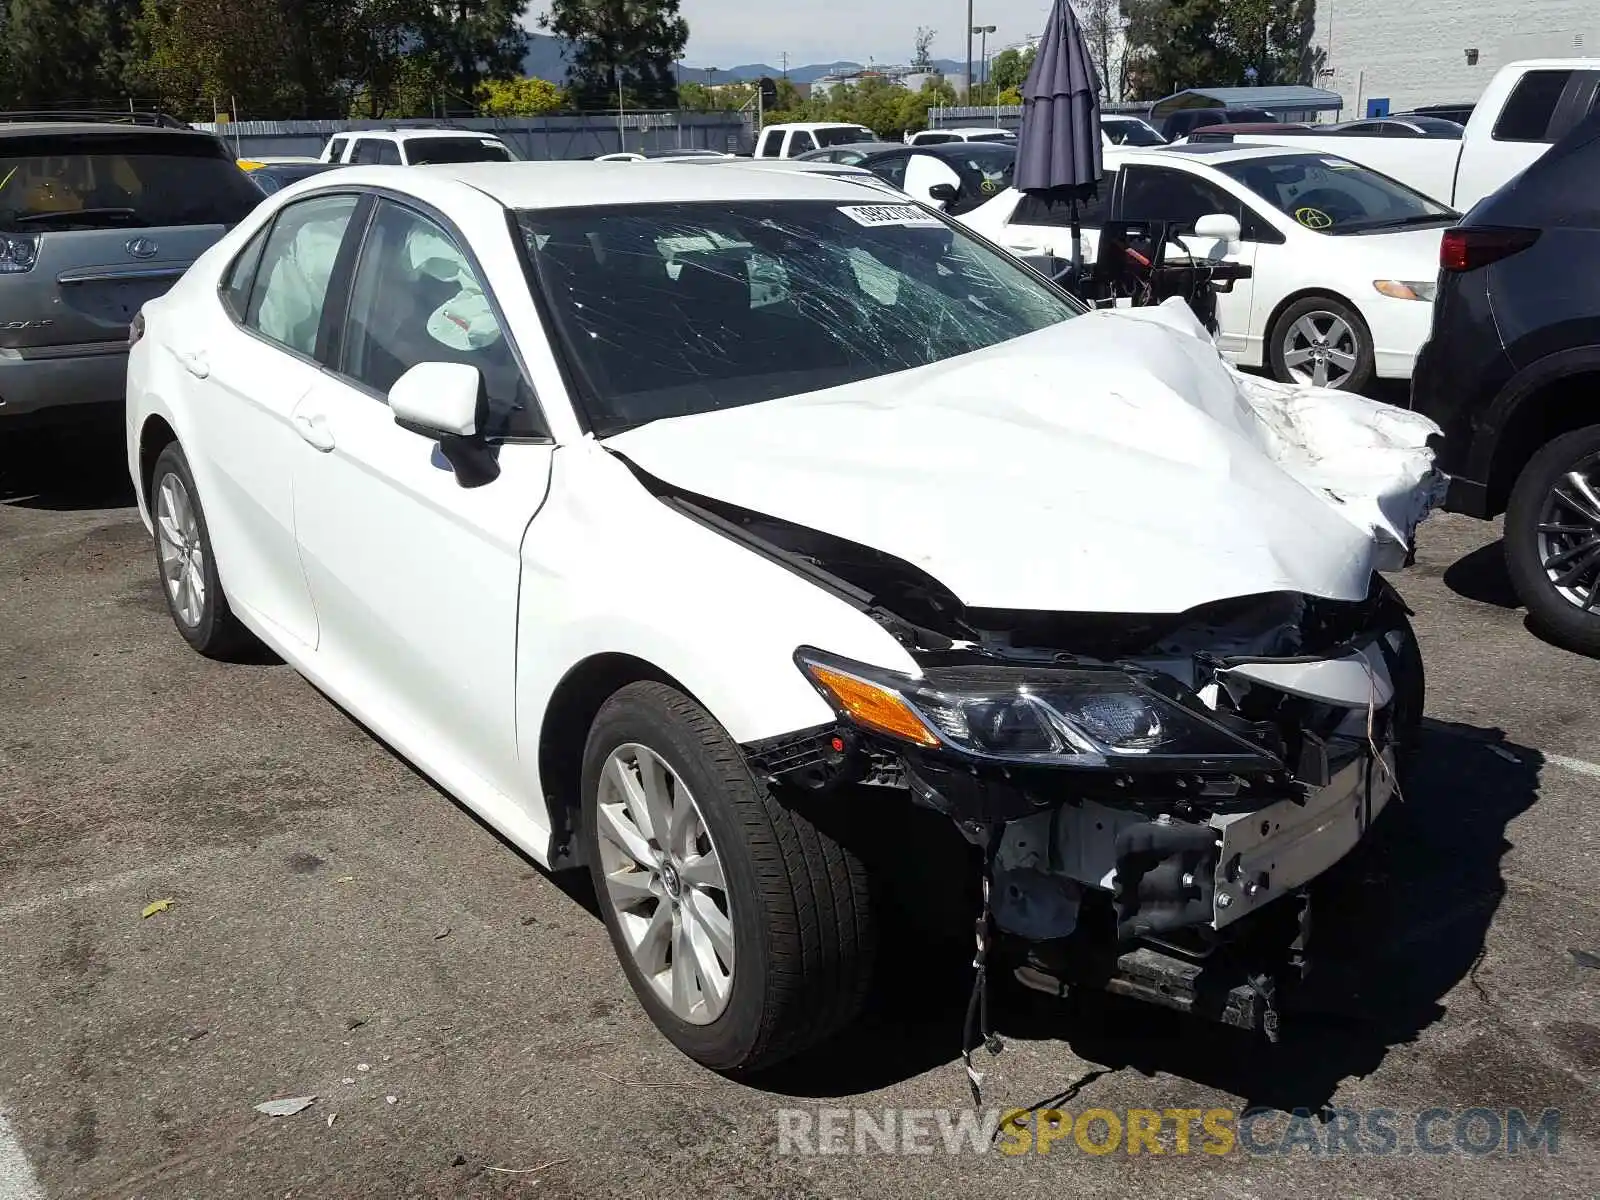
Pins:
x: 983, y: 31
x: 969, y: 51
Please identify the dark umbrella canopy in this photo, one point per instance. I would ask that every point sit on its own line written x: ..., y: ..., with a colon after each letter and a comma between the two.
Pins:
x: 1058, y: 146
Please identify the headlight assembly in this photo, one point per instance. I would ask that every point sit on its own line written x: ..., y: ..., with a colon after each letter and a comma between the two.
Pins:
x: 1040, y: 715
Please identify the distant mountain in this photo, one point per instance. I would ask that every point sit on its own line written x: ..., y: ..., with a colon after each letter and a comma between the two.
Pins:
x: 544, y: 60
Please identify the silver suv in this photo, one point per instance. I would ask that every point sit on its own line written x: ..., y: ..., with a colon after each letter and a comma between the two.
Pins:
x: 96, y: 218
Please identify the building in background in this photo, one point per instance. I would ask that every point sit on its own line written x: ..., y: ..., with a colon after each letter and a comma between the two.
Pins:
x: 1441, y: 51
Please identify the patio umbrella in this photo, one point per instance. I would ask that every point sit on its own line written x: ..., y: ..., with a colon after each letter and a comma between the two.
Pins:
x: 1058, y: 146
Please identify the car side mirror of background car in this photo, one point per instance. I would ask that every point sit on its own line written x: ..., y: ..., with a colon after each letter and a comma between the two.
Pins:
x: 1220, y: 226
x: 944, y: 193
x: 446, y: 401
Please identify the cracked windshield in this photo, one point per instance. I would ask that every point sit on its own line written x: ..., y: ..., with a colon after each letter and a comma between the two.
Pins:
x: 674, y: 309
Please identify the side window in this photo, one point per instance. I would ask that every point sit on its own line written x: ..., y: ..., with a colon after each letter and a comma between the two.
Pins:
x: 892, y: 170
x: 1036, y: 210
x: 801, y: 143
x: 1526, y: 116
x: 242, y: 274
x: 415, y: 298
x: 337, y: 147
x: 296, y: 264
x: 771, y: 142
x: 388, y: 154
x: 1181, y: 199
x: 368, y: 150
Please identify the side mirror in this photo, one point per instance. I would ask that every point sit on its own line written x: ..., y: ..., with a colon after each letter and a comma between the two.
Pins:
x: 1219, y: 226
x: 943, y: 193
x: 446, y: 401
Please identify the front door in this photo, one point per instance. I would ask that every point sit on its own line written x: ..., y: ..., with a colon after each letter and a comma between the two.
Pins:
x: 415, y: 577
x: 1181, y: 199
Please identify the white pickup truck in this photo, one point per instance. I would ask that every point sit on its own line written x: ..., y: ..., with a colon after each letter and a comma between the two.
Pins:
x: 1526, y: 107
x: 800, y: 137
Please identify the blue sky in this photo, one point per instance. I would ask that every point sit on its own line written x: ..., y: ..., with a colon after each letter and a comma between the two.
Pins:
x: 725, y: 33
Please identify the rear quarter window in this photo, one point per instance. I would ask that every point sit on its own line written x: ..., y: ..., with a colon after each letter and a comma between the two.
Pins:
x: 1531, y: 105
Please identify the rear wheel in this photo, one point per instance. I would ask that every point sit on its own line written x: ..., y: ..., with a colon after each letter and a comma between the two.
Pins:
x: 743, y: 928
x: 1321, y: 341
x: 1552, y: 539
x: 186, y: 563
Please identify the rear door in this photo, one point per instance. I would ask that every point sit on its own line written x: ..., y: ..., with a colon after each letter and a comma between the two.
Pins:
x: 94, y: 224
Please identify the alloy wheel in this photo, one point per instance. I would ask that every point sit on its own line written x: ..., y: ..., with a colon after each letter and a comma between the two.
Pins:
x: 665, y: 883
x: 1568, y: 535
x: 1322, y: 349
x: 183, y: 557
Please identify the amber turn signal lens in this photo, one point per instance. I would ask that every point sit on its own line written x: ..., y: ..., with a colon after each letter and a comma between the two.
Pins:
x: 873, y: 706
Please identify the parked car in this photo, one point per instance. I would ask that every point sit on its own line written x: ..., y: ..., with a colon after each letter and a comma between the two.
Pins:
x: 937, y: 137
x: 1242, y: 131
x: 955, y: 177
x: 271, y: 176
x: 1512, y: 373
x: 96, y: 218
x: 1527, y: 107
x: 684, y: 522
x: 793, y: 139
x: 678, y: 154
x: 1119, y: 130
x: 1402, y: 125
x: 1343, y: 259
x: 415, y: 145
x: 1179, y: 124
x: 1459, y: 113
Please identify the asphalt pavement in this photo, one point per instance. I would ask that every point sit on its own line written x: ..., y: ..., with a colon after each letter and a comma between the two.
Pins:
x: 339, y: 928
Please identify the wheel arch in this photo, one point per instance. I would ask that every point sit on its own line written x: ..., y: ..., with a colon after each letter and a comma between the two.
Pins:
x: 1270, y: 329
x: 1556, y: 400
x: 155, y: 435
x: 563, y: 733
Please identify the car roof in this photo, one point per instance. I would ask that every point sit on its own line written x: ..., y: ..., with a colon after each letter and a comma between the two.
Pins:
x: 815, y: 125
x: 401, y: 135
x: 1213, y: 152
x: 581, y: 184
x: 36, y: 128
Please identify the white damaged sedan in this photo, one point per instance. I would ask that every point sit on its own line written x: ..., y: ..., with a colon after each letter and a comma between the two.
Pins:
x: 683, y: 524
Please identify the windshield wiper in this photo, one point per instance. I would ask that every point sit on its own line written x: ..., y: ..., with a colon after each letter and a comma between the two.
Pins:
x: 1398, y: 223
x: 69, y: 217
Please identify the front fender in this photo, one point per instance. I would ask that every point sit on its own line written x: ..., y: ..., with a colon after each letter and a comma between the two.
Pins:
x: 609, y: 569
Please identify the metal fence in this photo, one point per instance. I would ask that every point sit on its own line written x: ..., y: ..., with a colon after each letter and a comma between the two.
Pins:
x: 1006, y: 116
x: 535, y: 138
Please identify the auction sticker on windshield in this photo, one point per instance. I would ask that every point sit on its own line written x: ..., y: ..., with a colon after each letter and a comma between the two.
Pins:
x: 887, y: 214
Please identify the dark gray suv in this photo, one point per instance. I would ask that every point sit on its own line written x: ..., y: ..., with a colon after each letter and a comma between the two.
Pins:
x: 95, y: 219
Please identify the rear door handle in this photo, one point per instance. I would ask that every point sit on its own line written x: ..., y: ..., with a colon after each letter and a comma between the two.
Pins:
x: 193, y: 362
x: 313, y: 427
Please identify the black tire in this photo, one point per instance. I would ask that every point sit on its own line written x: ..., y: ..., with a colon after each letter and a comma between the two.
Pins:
x: 217, y: 633
x: 1359, y: 379
x: 1553, y: 614
x: 1409, y: 676
x: 801, y: 913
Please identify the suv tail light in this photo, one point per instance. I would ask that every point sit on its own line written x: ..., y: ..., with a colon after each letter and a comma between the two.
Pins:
x: 18, y: 253
x: 1473, y: 247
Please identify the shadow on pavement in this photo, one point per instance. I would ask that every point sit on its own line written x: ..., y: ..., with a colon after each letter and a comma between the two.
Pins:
x: 1481, y: 576
x: 1400, y: 923
x: 81, y: 464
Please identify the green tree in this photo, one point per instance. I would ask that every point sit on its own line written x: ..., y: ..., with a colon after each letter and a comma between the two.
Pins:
x: 519, y: 97
x: 469, y: 41
x: 628, y: 43
x: 1009, y: 68
x: 1272, y: 36
x: 1176, y: 44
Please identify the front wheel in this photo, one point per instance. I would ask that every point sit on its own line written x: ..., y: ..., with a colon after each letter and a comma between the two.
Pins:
x: 744, y: 929
x: 1321, y: 341
x: 1552, y: 539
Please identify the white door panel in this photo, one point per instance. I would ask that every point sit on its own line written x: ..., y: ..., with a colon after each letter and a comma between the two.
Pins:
x: 924, y: 172
x: 240, y: 407
x: 1048, y: 239
x: 415, y: 578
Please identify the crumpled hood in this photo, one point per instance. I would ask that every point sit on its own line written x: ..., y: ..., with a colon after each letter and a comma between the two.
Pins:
x: 1112, y: 463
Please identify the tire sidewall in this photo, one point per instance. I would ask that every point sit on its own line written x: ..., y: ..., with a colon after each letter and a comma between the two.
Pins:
x: 630, y: 716
x: 1366, y: 367
x: 205, y: 631
x: 1555, y: 616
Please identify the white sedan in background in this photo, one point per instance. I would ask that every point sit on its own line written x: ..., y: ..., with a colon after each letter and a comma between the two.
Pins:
x: 1343, y: 259
x: 650, y: 510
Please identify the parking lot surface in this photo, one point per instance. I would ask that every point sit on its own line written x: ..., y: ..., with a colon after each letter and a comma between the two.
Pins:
x: 339, y: 928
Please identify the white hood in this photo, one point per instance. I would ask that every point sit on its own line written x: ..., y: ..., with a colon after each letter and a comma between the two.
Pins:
x: 1112, y: 463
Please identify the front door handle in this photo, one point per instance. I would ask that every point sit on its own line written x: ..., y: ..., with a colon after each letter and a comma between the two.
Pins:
x: 194, y: 362
x: 313, y: 427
